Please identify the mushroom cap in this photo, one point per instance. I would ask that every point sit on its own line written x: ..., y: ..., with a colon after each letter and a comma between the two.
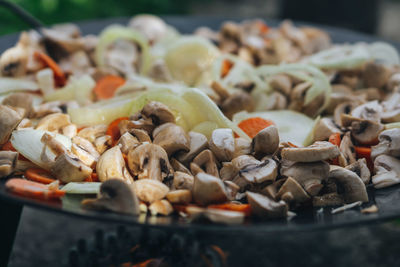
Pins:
x: 8, y: 162
x: 111, y: 164
x: 266, y: 170
x: 183, y: 180
x: 329, y: 199
x: 389, y: 143
x: 206, y: 160
x: 172, y: 138
x: 266, y: 141
x: 198, y: 143
x: 353, y: 186
x: 9, y: 119
x: 325, y: 128
x: 115, y: 195
x: 387, y: 171
x: 222, y: 144
x: 162, y: 207
x: 53, y: 122
x: 149, y: 190
x: 361, y: 169
x: 158, y: 113
x: 20, y: 100
x: 292, y: 191
x: 318, y: 151
x: 264, y: 207
x: 365, y: 131
x: 208, y: 189
x: 242, y: 147
x: 347, y: 151
x: 369, y: 111
x: 342, y: 109
x: 68, y: 169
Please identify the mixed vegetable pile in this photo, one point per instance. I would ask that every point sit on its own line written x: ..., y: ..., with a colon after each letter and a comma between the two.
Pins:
x: 247, y: 121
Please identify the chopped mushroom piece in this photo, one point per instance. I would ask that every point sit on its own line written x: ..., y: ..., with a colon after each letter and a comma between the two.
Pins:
x: 149, y: 161
x: 325, y: 128
x: 242, y: 147
x: 281, y: 83
x: 8, y: 162
x: 183, y: 180
x: 102, y: 143
x: 162, y: 207
x: 111, y: 164
x: 180, y: 196
x: 158, y: 113
x: 347, y: 151
x: 262, y: 171
x: 93, y: 132
x: 342, y: 109
x: 387, y: 171
x: 68, y: 169
x: 149, y: 190
x: 369, y: 111
x: 361, y: 169
x: 177, y: 166
x: 389, y: 143
x: 69, y: 130
x: 207, y: 162
x: 292, y: 191
x: 198, y: 143
x: 172, y: 138
x: 208, y: 189
x: 9, y: 119
x: 20, y: 100
x: 266, y: 142
x: 222, y: 143
x: 53, y: 122
x: 115, y: 195
x: 366, y: 132
x: 320, y: 150
x: 127, y: 142
x: 237, y: 102
x: 151, y: 26
x: 264, y: 207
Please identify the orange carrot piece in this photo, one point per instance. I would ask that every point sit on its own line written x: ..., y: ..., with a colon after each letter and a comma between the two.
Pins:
x: 365, y: 152
x: 336, y: 140
x: 32, y: 189
x: 263, y: 27
x: 59, y: 76
x: 252, y: 126
x: 245, y: 208
x: 92, y: 178
x: 113, y: 129
x: 226, y: 67
x: 39, y: 175
x: 106, y: 86
x: 9, y: 147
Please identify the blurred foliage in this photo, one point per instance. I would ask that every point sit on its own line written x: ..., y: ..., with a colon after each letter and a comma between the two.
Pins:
x: 56, y: 11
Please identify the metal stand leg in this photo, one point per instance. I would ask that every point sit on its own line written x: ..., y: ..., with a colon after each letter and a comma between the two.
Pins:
x: 10, y: 214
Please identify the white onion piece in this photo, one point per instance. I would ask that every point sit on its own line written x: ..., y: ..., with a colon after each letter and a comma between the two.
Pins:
x: 82, y: 188
x: 8, y: 85
x: 45, y: 79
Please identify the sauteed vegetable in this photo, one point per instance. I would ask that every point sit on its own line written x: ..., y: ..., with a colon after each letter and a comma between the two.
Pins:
x: 246, y: 121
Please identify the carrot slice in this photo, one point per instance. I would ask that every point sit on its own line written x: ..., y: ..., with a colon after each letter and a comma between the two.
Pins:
x: 32, y: 189
x: 263, y: 27
x: 9, y: 147
x: 365, y: 152
x: 245, y: 208
x: 59, y: 76
x: 92, y: 178
x: 39, y: 175
x: 106, y: 86
x: 113, y: 129
x: 336, y: 140
x: 252, y: 126
x: 226, y: 67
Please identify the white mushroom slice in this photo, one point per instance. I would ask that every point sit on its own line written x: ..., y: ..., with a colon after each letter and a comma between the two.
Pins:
x: 309, y: 175
x: 68, y: 169
x: 365, y: 131
x: 207, y: 162
x: 149, y: 161
x: 158, y: 113
x: 228, y: 171
x: 53, y: 122
x: 361, y: 169
x: 93, y: 132
x: 181, y: 196
x: 320, y: 150
x: 264, y: 207
x: 387, y: 171
x: 292, y: 191
x: 325, y: 128
x: 353, y: 186
x: 70, y: 130
x: 172, y: 138
x: 9, y: 119
x: 87, y: 146
x: 347, y: 151
x: 8, y: 162
x: 208, y: 189
x: 115, y: 195
x: 111, y: 164
x: 127, y: 142
x: 102, y: 143
x: 266, y: 142
x: 162, y: 207
x: 265, y: 170
x: 369, y: 111
x: 222, y: 143
x: 342, y: 109
x: 149, y: 190
x: 183, y: 180
x: 177, y: 166
x: 389, y: 144
x: 198, y: 143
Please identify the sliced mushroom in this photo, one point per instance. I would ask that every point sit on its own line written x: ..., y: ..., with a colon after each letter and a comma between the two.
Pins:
x: 329, y: 199
x: 149, y: 161
x: 198, y: 143
x: 366, y: 132
x: 264, y: 207
x: 376, y: 75
x: 8, y: 162
x: 263, y: 171
x: 207, y: 162
x: 222, y: 143
x: 281, y: 83
x: 308, y: 174
x: 369, y: 111
x: 347, y: 151
x: 149, y: 190
x: 93, y: 132
x: 102, y: 143
x: 68, y: 169
x: 266, y: 141
x: 162, y: 207
x: 177, y: 166
x: 237, y: 102
x: 208, y: 189
x: 9, y: 119
x: 343, y: 108
x: 137, y: 122
x: 111, y: 164
x: 320, y: 150
x: 53, y: 122
x: 20, y: 100
x: 325, y: 128
x: 127, y: 142
x: 69, y: 130
x: 389, y: 143
x: 361, y: 169
x: 115, y: 195
x: 387, y: 171
x: 242, y: 147
x: 291, y: 191
x: 352, y: 185
x: 172, y: 138
x: 86, y: 145
x: 158, y: 112
x: 183, y: 180
x: 180, y: 196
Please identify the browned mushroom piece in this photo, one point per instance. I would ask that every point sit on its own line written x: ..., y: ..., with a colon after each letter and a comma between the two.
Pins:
x: 266, y: 141
x: 9, y: 119
x: 365, y: 131
x: 207, y: 162
x: 149, y: 161
x: 318, y: 151
x: 115, y: 195
x: 236, y: 102
x: 111, y: 164
x: 264, y: 207
x: 324, y: 129
x: 172, y: 138
x: 68, y: 169
x: 347, y: 151
x: 309, y: 174
x: 183, y: 180
x: 198, y: 143
x: 376, y: 75
x: 150, y: 190
x: 389, y: 144
x: 292, y: 192
x: 361, y: 169
x: 329, y: 199
x: 317, y: 39
x: 8, y: 162
x: 369, y: 111
x: 387, y: 171
x: 127, y: 142
x: 53, y: 122
x: 208, y: 189
x: 20, y: 100
x: 158, y: 113
x: 222, y: 144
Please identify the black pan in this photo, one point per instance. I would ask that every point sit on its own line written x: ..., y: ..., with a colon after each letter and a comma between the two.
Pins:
x: 387, y: 199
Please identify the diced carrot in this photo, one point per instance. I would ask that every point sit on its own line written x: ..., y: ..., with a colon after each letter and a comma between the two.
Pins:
x: 336, y: 140
x: 106, y: 86
x: 245, y: 208
x: 113, y: 129
x: 39, y: 175
x: 252, y: 126
x: 365, y: 152
x: 263, y: 27
x: 59, y: 76
x: 32, y: 189
x: 92, y: 178
x: 226, y: 67
x: 291, y: 144
x: 144, y: 263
